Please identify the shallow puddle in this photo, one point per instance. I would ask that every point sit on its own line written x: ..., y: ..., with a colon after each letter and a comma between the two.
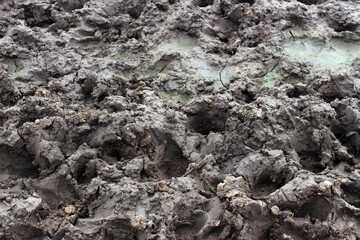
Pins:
x: 335, y: 53
x: 194, y: 60
x: 189, y: 58
x: 332, y: 54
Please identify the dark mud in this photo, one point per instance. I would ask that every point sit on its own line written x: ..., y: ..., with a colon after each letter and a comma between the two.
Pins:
x: 196, y: 119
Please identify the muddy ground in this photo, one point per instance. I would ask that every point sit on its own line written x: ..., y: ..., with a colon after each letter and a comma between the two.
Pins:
x: 169, y: 119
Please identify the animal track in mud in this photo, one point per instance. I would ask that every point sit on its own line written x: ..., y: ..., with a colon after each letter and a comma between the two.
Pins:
x: 194, y: 223
x: 71, y: 5
x: 340, y: 26
x: 248, y: 96
x: 119, y: 229
x: 209, y: 119
x: 296, y: 232
x: 169, y: 160
x: 345, y: 129
x: 316, y: 207
x: 174, y: 163
x: 24, y: 232
x: 85, y: 171
x: 351, y: 194
x: 220, y: 232
x: 37, y: 16
x: 310, y: 2
x: 17, y: 164
x: 297, y: 91
x: 55, y: 191
x: 267, y: 182
x: 251, y: 2
x: 203, y: 3
x: 113, y: 149
x: 311, y: 161
x: 189, y: 228
x: 197, y: 222
x: 136, y: 11
x: 3, y: 119
x: 351, y: 141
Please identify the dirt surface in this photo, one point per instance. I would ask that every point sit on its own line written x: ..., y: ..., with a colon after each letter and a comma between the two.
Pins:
x: 169, y: 119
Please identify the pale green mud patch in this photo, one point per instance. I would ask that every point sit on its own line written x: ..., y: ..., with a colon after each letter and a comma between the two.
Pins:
x: 201, y: 68
x: 180, y: 44
x: 174, y: 95
x: 14, y: 65
x: 177, y: 55
x: 126, y: 60
x: 317, y: 31
x: 17, y: 68
x: 322, y: 55
x: 270, y: 78
x: 156, y: 68
x: 194, y: 60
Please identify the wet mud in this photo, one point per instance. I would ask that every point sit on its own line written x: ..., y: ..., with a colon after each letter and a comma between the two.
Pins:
x: 168, y: 119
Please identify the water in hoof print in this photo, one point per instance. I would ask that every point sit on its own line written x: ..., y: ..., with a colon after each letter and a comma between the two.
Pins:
x: 333, y: 53
x: 196, y: 119
x: 323, y: 55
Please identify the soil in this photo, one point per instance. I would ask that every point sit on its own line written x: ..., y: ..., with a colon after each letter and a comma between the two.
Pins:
x: 168, y: 119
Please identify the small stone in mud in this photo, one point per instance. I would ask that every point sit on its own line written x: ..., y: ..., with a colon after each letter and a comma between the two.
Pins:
x: 138, y: 222
x: 325, y: 186
x: 208, y: 100
x: 70, y: 209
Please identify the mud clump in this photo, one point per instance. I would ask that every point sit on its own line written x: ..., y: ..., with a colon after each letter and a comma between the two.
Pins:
x: 198, y: 119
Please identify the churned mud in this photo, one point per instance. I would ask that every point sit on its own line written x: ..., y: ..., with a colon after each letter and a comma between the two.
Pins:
x: 168, y: 119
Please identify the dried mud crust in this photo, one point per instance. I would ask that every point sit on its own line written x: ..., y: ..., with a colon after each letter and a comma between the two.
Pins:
x: 143, y: 119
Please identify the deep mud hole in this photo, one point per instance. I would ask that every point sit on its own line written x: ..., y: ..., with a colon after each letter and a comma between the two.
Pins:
x: 168, y: 119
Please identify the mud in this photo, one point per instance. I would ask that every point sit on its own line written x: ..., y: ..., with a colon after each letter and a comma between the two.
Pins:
x: 196, y: 119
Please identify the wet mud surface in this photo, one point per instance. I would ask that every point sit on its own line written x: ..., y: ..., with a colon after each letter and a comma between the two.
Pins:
x: 196, y: 119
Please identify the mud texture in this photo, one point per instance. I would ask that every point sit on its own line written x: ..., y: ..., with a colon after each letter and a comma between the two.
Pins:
x: 169, y: 119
